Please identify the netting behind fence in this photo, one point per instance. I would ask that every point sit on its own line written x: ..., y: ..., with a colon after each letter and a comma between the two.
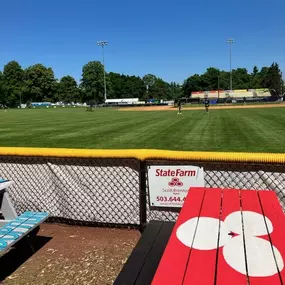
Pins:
x: 86, y: 190
x: 108, y: 190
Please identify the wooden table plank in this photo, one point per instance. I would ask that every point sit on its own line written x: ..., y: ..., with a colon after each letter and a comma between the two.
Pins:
x: 148, y: 271
x: 261, y: 265
x: 249, y: 248
x: 173, y: 263
x: 225, y: 273
x: 138, y: 257
x: 272, y: 210
x: 202, y: 261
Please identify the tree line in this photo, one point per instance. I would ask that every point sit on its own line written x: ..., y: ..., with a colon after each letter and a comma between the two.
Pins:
x: 214, y: 79
x: 37, y: 83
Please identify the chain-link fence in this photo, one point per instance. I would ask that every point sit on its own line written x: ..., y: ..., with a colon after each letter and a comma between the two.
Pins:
x: 114, y: 191
x: 99, y: 191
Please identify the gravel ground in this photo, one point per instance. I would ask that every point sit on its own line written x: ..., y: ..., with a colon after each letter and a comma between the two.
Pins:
x: 69, y: 255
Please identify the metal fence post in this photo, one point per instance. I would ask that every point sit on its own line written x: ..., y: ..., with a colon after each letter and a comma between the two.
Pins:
x: 142, y: 195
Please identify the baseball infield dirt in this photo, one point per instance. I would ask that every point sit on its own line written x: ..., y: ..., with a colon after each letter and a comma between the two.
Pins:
x: 170, y: 108
x: 69, y: 255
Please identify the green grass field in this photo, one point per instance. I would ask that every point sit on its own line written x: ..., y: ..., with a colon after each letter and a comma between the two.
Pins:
x: 254, y: 130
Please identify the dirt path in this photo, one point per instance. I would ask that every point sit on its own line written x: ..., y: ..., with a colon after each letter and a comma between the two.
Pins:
x: 170, y: 108
x: 69, y: 255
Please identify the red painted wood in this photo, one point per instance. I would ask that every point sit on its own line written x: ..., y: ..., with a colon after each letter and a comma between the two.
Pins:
x: 250, y: 202
x: 197, y: 266
x: 225, y: 273
x: 272, y: 209
x: 202, y: 263
x: 272, y: 201
x: 172, y: 266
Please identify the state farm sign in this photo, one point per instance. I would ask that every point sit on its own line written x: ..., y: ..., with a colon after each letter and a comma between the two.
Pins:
x: 169, y: 185
x: 176, y: 172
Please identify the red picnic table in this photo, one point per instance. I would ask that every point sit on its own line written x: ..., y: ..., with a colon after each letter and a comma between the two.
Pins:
x: 225, y: 236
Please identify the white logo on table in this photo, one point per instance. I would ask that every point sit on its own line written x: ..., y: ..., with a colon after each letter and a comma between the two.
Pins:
x: 259, y: 252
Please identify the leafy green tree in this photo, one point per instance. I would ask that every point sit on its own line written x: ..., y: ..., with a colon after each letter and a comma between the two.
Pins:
x: 255, y: 81
x: 175, y: 91
x: 156, y: 88
x: 267, y: 77
x: 67, y: 90
x: 224, y: 80
x: 161, y: 89
x: 273, y: 79
x: 92, y: 81
x: 259, y: 79
x: 210, y: 79
x: 136, y: 85
x: 255, y: 71
x: 1, y: 89
x: 191, y: 84
x: 241, y: 79
x: 117, y: 85
x: 124, y: 86
x: 40, y: 84
x: 13, y: 76
x: 263, y: 71
x: 149, y: 80
x: 37, y: 83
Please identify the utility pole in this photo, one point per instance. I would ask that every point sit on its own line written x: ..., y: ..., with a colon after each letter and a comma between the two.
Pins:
x: 282, y: 84
x: 230, y: 41
x: 218, y: 87
x: 103, y: 44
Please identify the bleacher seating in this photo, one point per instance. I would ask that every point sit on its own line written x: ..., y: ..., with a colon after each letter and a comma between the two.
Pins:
x: 235, y: 94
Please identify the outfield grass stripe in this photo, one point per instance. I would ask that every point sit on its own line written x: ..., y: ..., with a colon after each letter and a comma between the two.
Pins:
x: 254, y: 130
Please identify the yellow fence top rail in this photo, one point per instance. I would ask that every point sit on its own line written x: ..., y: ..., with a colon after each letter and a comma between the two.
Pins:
x: 146, y: 154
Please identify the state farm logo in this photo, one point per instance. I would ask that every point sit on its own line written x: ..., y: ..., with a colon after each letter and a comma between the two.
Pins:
x: 175, y: 182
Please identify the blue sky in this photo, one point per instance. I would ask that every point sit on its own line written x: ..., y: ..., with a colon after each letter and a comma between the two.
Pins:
x: 171, y: 39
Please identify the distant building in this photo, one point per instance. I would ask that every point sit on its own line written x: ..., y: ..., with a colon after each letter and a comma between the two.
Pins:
x: 122, y: 101
x: 247, y: 93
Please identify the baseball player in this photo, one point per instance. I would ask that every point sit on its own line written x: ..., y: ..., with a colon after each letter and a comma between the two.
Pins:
x: 179, y: 105
x: 207, y: 104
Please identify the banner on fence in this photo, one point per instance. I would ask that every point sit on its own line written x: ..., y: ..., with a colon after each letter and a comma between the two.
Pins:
x: 169, y: 185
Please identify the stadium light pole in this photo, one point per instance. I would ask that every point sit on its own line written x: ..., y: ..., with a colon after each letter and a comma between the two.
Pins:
x: 282, y: 84
x: 218, y: 87
x: 230, y: 41
x: 103, y: 44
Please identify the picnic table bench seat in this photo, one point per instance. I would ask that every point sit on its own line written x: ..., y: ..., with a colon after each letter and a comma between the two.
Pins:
x: 18, y: 228
x: 144, y: 259
x: 14, y: 228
